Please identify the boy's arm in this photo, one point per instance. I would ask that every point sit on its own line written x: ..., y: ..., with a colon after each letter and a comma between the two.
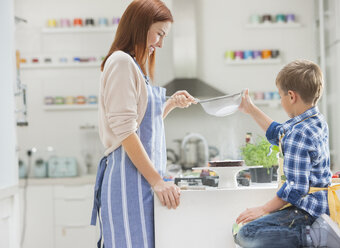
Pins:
x: 248, y: 107
x: 253, y: 213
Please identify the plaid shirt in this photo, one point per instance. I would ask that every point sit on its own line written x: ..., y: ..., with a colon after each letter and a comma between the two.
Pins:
x: 306, y: 160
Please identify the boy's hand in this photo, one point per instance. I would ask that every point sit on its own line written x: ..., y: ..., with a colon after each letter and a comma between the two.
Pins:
x: 246, y: 103
x: 251, y: 214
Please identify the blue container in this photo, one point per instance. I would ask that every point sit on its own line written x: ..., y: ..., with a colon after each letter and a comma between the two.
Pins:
x: 248, y: 54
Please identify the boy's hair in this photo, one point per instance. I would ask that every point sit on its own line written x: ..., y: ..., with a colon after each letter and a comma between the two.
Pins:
x: 303, y: 77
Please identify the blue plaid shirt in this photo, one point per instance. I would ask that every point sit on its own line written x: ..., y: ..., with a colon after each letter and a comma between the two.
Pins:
x: 306, y: 160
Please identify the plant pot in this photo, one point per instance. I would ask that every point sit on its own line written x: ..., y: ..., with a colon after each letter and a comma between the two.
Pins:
x: 253, y: 176
x: 275, y: 168
x: 261, y: 175
x: 264, y: 175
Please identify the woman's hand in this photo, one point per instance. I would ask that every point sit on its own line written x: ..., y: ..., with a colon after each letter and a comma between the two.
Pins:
x: 246, y: 104
x: 251, y: 214
x: 181, y: 99
x: 168, y: 193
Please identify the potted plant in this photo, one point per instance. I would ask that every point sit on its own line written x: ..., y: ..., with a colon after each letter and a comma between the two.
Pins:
x: 263, y: 154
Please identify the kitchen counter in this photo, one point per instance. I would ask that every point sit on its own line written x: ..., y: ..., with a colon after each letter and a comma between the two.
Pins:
x: 205, y: 217
x: 86, y: 179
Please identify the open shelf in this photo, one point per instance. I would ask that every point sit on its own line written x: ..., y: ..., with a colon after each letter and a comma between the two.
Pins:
x: 273, y: 25
x: 253, y: 61
x: 109, y: 29
x: 60, y: 65
x: 268, y: 103
x: 70, y: 107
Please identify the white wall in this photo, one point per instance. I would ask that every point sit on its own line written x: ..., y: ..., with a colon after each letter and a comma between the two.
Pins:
x: 332, y: 40
x: 60, y: 129
x: 8, y: 162
x: 221, y: 27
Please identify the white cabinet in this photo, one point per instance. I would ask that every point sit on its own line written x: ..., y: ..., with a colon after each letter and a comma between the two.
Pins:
x: 58, y: 216
x: 5, y: 215
x: 39, y: 216
x: 73, y: 208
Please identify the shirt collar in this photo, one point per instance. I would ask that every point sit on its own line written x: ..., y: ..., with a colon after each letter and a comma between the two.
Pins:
x: 308, y: 113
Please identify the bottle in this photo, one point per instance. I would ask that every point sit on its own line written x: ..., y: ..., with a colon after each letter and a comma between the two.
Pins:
x: 249, y: 139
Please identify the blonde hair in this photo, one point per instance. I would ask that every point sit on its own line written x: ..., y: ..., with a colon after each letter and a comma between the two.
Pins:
x: 303, y: 77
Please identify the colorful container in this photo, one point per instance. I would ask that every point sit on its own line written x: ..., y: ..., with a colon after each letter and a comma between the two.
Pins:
x: 77, y: 22
x: 280, y: 18
x: 257, y: 54
x: 51, y: 23
x: 248, y: 54
x: 230, y: 55
x: 238, y: 55
x: 266, y: 54
x: 290, y: 18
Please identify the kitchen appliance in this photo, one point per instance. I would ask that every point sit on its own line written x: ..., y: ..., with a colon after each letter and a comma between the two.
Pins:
x: 62, y: 167
x: 194, y: 151
x: 221, y: 106
x: 40, y: 168
x: 22, y: 169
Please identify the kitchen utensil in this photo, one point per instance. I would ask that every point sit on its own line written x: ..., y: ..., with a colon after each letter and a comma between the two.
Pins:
x: 257, y: 54
x: 290, y: 18
x: 221, y: 106
x: 275, y: 53
x: 266, y: 18
x: 51, y: 23
x: 248, y: 54
x: 229, y: 55
x: 255, y: 19
x: 40, y: 168
x: 77, y: 22
x: 62, y: 167
x: 89, y: 22
x: 280, y: 18
x: 266, y: 54
x: 239, y: 55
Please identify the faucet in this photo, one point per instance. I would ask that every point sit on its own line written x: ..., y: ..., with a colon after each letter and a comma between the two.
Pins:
x: 205, y: 144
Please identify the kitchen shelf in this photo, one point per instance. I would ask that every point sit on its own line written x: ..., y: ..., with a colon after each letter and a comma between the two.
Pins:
x: 269, y: 103
x: 71, y: 107
x: 273, y: 25
x: 60, y: 65
x: 69, y: 30
x: 253, y: 61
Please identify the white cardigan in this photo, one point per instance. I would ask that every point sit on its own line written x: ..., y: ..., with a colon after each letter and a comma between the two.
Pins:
x: 123, y: 99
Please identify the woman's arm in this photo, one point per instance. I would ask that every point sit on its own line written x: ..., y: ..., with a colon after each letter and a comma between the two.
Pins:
x: 181, y: 99
x: 167, y: 192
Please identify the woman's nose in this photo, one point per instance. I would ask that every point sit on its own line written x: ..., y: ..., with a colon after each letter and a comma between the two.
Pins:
x: 160, y: 43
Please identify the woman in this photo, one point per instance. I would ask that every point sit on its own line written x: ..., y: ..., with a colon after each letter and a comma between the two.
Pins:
x: 131, y: 128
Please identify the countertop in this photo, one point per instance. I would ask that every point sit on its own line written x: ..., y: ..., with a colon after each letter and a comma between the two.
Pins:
x: 86, y: 179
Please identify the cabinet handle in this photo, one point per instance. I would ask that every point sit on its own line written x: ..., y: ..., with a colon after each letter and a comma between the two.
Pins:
x: 75, y: 226
x: 76, y: 199
x: 5, y: 217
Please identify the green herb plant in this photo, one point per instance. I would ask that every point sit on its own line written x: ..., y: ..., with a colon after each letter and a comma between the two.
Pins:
x: 259, y: 153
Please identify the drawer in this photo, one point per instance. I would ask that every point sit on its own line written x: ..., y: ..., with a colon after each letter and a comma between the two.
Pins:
x: 73, y: 211
x: 73, y: 192
x: 75, y: 236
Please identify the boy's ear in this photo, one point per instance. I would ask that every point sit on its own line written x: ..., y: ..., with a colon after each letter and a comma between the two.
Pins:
x: 292, y: 96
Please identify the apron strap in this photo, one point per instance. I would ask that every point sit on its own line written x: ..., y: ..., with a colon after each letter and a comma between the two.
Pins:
x: 97, y: 195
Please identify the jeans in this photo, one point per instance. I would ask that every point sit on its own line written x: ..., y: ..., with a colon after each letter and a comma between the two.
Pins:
x: 281, y: 229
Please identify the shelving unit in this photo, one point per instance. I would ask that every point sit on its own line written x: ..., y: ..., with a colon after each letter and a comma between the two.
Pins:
x: 72, y: 30
x: 59, y: 65
x: 70, y: 107
x: 253, y: 61
x: 273, y: 25
x: 269, y: 103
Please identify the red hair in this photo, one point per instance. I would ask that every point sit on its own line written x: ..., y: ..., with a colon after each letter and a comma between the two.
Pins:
x: 132, y: 31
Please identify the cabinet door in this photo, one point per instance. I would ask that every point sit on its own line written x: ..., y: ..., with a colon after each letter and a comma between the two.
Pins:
x: 39, y: 216
x: 75, y: 236
x: 5, y: 222
x: 73, y: 208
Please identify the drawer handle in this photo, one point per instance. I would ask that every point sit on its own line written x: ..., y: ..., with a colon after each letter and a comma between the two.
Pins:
x: 75, y: 199
x: 5, y: 217
x: 75, y: 226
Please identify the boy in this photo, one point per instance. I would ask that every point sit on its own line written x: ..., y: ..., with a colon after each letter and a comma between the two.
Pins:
x: 304, y: 144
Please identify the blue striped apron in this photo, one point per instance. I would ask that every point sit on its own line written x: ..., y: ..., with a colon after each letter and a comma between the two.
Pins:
x: 122, y: 193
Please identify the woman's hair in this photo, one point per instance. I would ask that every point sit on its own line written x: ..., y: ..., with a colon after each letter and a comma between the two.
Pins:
x: 303, y: 77
x: 132, y: 31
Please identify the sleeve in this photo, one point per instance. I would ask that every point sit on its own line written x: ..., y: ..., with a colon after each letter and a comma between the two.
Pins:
x: 120, y: 97
x: 272, y: 133
x: 298, y: 150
